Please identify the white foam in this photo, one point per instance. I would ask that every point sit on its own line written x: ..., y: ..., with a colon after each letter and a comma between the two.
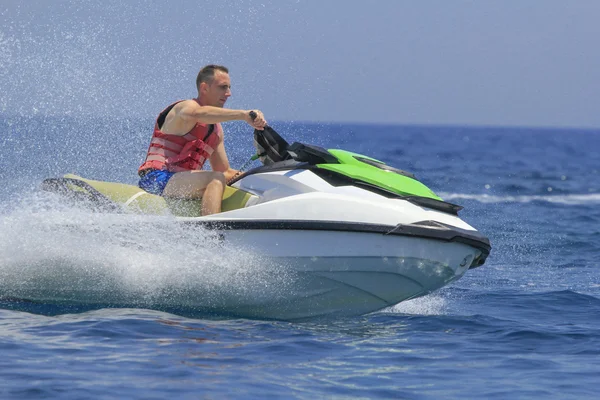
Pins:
x: 60, y: 252
x: 568, y: 199
x: 432, y: 304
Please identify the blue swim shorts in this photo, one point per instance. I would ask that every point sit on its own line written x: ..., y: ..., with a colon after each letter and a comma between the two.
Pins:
x: 155, y: 181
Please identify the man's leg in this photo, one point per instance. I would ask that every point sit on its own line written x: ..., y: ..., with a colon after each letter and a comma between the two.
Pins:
x: 208, y: 185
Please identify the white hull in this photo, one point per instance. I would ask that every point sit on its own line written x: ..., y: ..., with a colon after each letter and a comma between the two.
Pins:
x: 320, y: 248
x: 347, y: 273
x: 299, y: 274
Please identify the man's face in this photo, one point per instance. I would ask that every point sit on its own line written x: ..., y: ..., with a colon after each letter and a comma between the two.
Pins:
x: 218, y: 91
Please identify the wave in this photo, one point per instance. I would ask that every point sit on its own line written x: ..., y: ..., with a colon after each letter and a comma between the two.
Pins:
x: 568, y: 199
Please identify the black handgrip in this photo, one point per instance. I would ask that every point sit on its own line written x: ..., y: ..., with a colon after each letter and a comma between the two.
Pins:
x: 253, y: 115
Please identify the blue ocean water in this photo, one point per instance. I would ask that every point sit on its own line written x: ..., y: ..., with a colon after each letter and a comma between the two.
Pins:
x: 524, y: 325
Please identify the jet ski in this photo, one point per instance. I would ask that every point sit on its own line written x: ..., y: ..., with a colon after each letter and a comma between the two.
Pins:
x: 359, y: 235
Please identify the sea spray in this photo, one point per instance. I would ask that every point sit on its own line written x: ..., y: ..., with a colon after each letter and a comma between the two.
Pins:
x: 53, y: 252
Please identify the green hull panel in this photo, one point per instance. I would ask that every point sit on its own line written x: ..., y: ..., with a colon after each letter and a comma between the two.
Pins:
x: 394, y: 182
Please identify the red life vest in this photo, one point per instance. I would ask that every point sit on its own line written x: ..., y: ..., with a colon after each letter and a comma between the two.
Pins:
x: 181, y: 153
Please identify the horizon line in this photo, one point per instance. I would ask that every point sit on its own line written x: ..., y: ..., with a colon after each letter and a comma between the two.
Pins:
x: 348, y: 122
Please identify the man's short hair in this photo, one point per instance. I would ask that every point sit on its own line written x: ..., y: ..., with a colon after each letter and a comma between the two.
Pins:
x: 207, y: 74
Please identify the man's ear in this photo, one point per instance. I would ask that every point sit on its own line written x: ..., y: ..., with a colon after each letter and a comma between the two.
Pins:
x: 203, y: 87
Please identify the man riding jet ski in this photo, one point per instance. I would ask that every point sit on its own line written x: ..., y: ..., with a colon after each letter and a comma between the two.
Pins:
x: 355, y: 234
x: 186, y: 134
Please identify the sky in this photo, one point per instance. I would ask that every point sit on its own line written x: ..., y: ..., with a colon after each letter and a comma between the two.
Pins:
x: 433, y: 62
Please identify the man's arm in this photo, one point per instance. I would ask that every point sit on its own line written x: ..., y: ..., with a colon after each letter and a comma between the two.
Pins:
x: 219, y: 162
x: 190, y: 111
